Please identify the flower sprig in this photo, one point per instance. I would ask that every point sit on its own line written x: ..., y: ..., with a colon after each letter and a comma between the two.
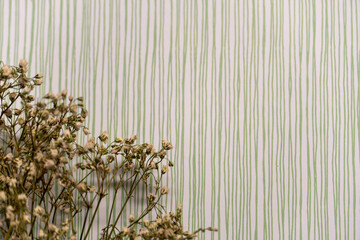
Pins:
x: 40, y: 152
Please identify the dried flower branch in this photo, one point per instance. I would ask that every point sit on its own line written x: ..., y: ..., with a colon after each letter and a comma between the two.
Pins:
x: 39, y: 144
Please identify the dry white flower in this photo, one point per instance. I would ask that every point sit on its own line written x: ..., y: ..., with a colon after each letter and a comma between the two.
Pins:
x: 131, y: 218
x: 39, y: 75
x: 3, y: 196
x: 73, y: 237
x: 164, y: 169
x: 81, y: 187
x: 23, y: 63
x: 32, y: 169
x: 104, y: 136
x: 38, y: 81
x: 86, y: 131
x: 146, y: 223
x: 162, y: 154
x: 49, y: 164
x: 26, y: 219
x: 23, y: 198
x: 119, y: 140
x: 6, y: 71
x: 126, y: 230
x: 54, y: 152
x: 66, y: 133
x: 14, y: 223
x: 63, y: 93
x: 38, y: 211
x: 150, y: 149
x: 50, y: 95
x: 164, y: 190
x: 168, y: 233
x: 167, y: 145
x: 90, y: 145
x: 77, y: 125
x: 12, y: 96
x: 52, y: 228
x: 9, y: 156
x: 152, y: 165
x: 12, y: 182
x: 158, y: 220
x: 8, y: 112
x: 42, y: 234
x: 9, y: 212
x: 152, y: 226
x: 214, y: 229
x: 73, y: 108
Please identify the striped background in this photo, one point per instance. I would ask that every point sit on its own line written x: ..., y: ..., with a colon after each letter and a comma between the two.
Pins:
x: 260, y: 98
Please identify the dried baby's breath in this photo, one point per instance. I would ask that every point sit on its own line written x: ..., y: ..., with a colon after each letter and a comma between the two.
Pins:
x: 41, y: 158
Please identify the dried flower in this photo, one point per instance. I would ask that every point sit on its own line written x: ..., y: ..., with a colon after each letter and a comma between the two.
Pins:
x: 77, y: 125
x: 39, y: 75
x: 41, y: 140
x: 26, y: 219
x: 86, y: 131
x: 146, y: 223
x: 73, y: 108
x: 119, y: 140
x: 92, y: 189
x: 213, y: 229
x: 164, y: 190
x: 132, y: 139
x: 151, y: 197
x: 162, y: 154
x: 49, y: 164
x: 90, y: 145
x: 73, y: 237
x: 38, y: 81
x: 38, y: 211
x: 66, y: 133
x: 23, y: 198
x: 6, y: 71
x: 167, y: 145
x: 54, y: 152
x: 81, y: 187
x: 3, y: 196
x: 9, y: 157
x: 49, y: 95
x: 150, y: 149
x: 12, y: 183
x: 9, y: 212
x: 180, y: 206
x: 131, y: 218
x: 42, y: 234
x: 23, y: 63
x: 52, y: 228
x: 104, y: 136
x: 126, y: 230
x: 164, y: 169
x: 63, y: 93
x: 12, y: 96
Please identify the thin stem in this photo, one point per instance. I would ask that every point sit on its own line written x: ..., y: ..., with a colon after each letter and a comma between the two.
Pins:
x: 83, y: 228
x: 93, y: 218
x: 127, y: 199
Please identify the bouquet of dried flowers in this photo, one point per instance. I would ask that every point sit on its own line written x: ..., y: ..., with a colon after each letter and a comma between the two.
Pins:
x: 38, y: 147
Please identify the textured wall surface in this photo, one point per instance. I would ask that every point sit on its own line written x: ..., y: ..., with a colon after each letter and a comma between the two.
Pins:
x: 260, y: 98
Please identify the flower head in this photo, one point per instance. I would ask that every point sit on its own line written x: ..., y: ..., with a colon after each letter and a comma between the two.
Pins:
x: 6, y: 71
